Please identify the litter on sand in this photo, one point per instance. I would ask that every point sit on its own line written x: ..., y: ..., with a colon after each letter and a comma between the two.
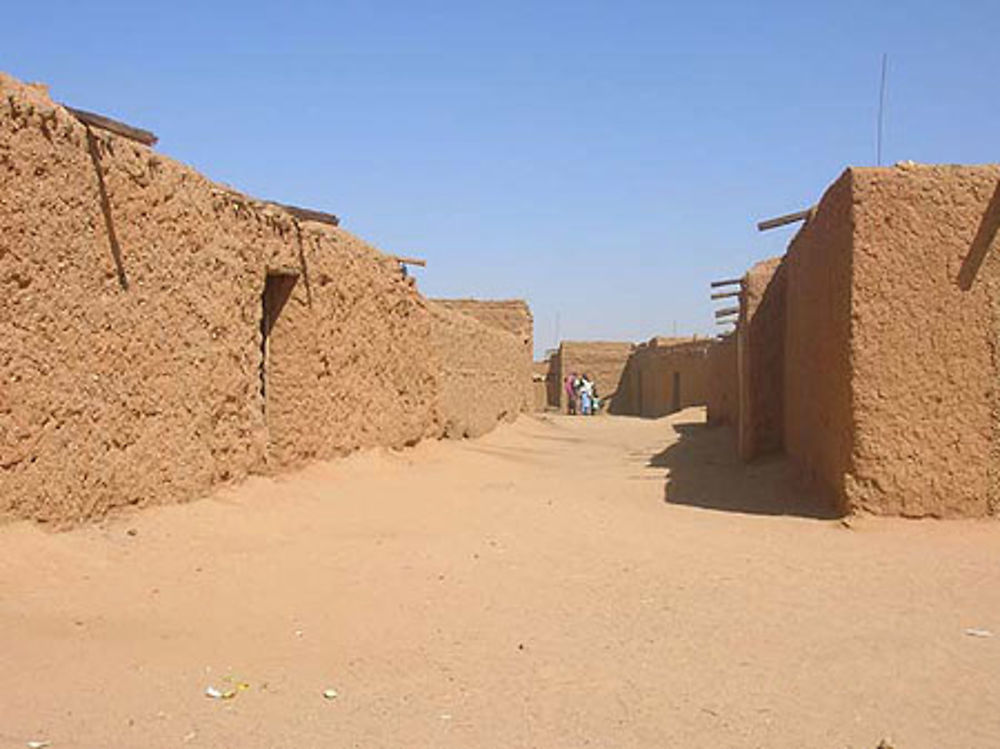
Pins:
x: 972, y: 632
x: 329, y: 694
x: 218, y: 694
x: 38, y: 744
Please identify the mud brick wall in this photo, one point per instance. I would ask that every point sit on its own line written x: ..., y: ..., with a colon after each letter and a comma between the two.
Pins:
x: 818, y: 414
x: 666, y: 375
x: 761, y: 359
x: 723, y: 382
x: 511, y: 315
x: 926, y: 285
x: 160, y: 334
x: 603, y: 361
x: 482, y: 373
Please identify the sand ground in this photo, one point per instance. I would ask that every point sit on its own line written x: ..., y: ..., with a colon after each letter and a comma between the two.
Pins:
x: 529, y: 589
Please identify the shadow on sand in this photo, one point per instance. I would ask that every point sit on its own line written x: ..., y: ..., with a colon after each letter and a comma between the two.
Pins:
x: 704, y: 470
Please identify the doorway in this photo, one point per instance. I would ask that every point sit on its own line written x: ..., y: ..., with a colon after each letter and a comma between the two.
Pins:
x: 277, y: 291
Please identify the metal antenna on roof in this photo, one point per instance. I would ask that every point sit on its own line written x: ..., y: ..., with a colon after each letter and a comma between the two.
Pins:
x: 881, y: 109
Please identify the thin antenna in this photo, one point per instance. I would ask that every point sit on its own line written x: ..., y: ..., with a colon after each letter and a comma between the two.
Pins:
x: 881, y: 108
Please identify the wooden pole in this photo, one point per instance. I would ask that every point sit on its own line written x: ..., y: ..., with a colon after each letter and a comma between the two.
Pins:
x: 306, y: 214
x: 727, y: 282
x: 789, y: 218
x: 726, y: 312
x: 726, y: 294
x: 118, y: 128
x: 409, y: 261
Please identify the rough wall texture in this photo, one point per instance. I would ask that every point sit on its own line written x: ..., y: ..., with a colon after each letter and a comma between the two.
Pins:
x: 603, y: 361
x: 511, y: 315
x: 482, y: 373
x: 761, y: 359
x: 539, y: 385
x: 665, y: 375
x: 134, y: 365
x: 926, y: 285
x: 818, y: 416
x: 723, y: 382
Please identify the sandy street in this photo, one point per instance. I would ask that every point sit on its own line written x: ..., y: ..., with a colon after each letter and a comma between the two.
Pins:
x: 529, y: 589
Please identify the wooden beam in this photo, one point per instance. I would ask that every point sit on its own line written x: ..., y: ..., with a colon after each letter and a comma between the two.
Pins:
x: 118, y: 128
x: 725, y: 322
x: 727, y: 282
x: 726, y: 294
x: 307, y: 214
x: 409, y: 261
x: 726, y: 312
x: 788, y: 218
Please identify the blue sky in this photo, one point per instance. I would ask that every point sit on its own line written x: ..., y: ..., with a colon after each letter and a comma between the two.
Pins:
x: 603, y: 160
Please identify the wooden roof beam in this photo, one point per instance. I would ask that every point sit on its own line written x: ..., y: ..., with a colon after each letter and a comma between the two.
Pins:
x: 788, y: 218
x: 114, y: 126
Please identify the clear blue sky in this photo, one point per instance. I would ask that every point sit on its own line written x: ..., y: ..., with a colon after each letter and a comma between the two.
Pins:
x: 603, y: 160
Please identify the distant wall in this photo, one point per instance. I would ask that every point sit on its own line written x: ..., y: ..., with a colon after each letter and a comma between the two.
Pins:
x: 818, y: 419
x: 665, y: 375
x: 761, y: 359
x: 925, y: 299
x: 511, y: 315
x: 723, y: 382
x: 482, y: 373
x: 603, y: 361
x: 540, y: 385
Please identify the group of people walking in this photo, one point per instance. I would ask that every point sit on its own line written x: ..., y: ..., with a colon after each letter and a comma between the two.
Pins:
x: 581, y: 395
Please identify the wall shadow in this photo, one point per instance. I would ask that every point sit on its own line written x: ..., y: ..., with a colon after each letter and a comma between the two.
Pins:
x: 109, y: 221
x: 981, y: 243
x: 704, y: 470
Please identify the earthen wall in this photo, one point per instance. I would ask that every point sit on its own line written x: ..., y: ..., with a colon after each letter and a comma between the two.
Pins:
x: 482, y: 373
x: 135, y: 363
x: 603, y: 361
x: 926, y: 285
x: 511, y: 315
x: 761, y: 359
x: 665, y: 375
x: 818, y: 417
x: 723, y: 382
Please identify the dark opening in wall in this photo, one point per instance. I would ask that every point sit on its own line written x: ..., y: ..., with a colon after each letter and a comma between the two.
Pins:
x: 277, y: 290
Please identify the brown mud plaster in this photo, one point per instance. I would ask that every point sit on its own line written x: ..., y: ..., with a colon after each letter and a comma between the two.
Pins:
x: 665, y: 375
x: 157, y: 395
x: 109, y: 221
x: 761, y: 350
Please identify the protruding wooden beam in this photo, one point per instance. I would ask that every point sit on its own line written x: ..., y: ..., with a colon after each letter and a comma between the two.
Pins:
x: 307, y: 214
x: 726, y: 322
x: 409, y: 261
x: 727, y: 282
x: 789, y: 218
x: 118, y: 128
x: 726, y: 294
x: 726, y: 312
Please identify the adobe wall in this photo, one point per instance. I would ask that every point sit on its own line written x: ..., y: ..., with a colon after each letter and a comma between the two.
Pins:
x: 656, y: 367
x: 540, y: 371
x: 553, y: 383
x: 761, y: 359
x: 723, y: 382
x: 603, y: 361
x: 483, y: 373
x: 818, y: 431
x: 925, y: 345
x: 144, y: 385
x: 511, y: 315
